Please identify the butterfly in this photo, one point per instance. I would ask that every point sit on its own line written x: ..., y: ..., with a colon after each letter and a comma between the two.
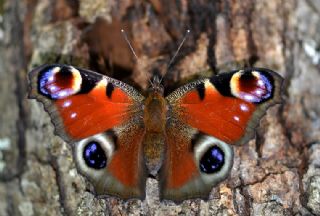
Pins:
x: 120, y: 137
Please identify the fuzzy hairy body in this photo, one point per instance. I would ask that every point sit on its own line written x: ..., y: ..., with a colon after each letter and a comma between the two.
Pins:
x: 155, y: 110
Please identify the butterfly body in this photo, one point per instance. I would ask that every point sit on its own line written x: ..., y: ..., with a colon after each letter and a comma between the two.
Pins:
x: 155, y: 118
x: 184, y: 139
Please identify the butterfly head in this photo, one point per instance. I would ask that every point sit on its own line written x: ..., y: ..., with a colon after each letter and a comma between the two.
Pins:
x: 156, y: 86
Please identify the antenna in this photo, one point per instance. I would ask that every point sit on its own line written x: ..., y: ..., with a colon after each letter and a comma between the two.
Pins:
x: 176, y: 53
x: 124, y: 34
x: 127, y: 40
x: 172, y: 59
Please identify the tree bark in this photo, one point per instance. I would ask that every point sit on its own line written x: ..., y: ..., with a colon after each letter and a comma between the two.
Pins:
x: 277, y: 173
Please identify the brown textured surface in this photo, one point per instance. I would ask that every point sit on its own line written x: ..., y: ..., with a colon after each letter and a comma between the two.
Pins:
x: 275, y: 174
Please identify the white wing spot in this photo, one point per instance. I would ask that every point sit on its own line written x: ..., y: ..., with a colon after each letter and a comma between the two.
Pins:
x: 67, y: 103
x: 73, y: 115
x: 244, y: 107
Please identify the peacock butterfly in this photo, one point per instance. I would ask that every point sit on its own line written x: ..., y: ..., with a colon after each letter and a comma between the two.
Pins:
x: 120, y: 137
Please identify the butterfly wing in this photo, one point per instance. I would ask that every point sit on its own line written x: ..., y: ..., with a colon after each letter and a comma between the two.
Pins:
x: 181, y: 176
x: 102, y: 117
x: 210, y: 114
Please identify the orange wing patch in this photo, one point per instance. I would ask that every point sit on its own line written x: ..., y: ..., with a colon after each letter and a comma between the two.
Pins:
x: 223, y: 117
x: 180, y: 167
x: 126, y: 164
x: 84, y: 115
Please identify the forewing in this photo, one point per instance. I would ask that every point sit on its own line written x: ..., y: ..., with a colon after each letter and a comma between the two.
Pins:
x: 82, y: 103
x: 227, y: 106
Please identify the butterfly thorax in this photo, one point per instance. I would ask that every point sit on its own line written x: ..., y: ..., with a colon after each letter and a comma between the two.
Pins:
x: 155, y: 111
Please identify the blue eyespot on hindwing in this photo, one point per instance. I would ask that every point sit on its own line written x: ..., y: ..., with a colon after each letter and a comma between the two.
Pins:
x: 212, y: 161
x: 94, y: 155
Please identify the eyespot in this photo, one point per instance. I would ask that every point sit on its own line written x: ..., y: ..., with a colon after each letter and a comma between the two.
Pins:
x: 252, y: 86
x: 214, y: 159
x: 94, y: 155
x: 57, y: 82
